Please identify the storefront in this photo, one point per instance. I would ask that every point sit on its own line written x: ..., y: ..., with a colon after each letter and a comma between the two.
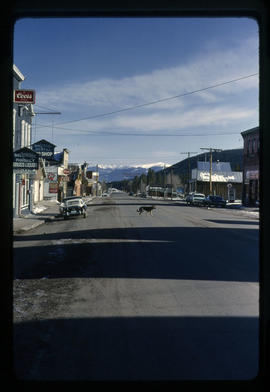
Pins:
x: 25, y: 166
x: 251, y: 171
x: 51, y: 183
x: 225, y: 182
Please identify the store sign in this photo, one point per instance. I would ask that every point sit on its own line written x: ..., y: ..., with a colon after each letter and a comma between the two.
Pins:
x: 252, y: 174
x: 216, y: 177
x: 44, y: 149
x: 52, y: 176
x: 24, y: 96
x: 25, y: 159
x: 53, y: 187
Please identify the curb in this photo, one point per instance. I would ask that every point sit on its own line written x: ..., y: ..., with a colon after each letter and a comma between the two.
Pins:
x: 29, y: 227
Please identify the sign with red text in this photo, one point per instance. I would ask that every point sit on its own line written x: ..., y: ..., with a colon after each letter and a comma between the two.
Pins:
x: 53, y: 187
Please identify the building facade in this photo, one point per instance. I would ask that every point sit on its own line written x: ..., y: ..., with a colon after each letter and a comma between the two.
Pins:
x: 22, y: 138
x: 225, y: 182
x: 251, y: 167
x: 55, y: 169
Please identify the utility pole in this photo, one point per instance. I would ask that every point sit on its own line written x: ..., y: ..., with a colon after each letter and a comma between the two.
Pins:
x: 164, y: 174
x: 52, y: 121
x: 31, y: 181
x: 210, y: 149
x: 188, y: 154
x: 171, y: 183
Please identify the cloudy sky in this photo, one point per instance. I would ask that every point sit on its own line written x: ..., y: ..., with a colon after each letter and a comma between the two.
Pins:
x: 138, y: 91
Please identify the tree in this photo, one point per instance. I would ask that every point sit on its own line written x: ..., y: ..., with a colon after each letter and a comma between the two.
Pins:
x: 151, y: 177
x: 135, y: 184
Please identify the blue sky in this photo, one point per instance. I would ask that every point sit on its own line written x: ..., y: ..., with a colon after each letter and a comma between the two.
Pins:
x: 89, y: 67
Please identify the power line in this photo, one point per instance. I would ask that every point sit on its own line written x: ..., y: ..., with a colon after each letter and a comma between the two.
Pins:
x: 45, y: 107
x: 143, y: 133
x: 159, y: 100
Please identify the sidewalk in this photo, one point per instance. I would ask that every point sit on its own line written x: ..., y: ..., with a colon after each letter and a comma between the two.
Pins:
x: 42, y: 212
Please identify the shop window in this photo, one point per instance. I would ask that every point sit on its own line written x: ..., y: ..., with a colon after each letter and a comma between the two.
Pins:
x: 14, y: 126
x: 22, y: 133
x: 249, y: 146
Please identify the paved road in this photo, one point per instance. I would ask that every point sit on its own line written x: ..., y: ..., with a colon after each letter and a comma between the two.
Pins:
x: 123, y: 296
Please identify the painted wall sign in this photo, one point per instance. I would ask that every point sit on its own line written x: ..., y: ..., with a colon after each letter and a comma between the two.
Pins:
x: 44, y: 149
x: 25, y: 159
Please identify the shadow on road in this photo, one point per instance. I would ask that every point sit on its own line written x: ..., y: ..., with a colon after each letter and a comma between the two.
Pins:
x: 137, y: 348
x: 144, y: 252
x: 234, y: 222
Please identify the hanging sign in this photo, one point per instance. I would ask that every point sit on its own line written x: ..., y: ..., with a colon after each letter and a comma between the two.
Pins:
x: 24, y: 96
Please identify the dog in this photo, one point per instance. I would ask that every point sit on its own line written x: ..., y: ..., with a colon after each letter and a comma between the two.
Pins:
x: 147, y: 209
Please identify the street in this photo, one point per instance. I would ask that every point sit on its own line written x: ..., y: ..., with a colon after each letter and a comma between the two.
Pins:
x: 123, y: 296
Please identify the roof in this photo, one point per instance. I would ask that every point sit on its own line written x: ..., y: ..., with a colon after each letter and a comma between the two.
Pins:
x: 17, y: 74
x: 43, y: 141
x: 250, y: 131
x: 216, y: 166
x: 58, y: 156
x: 26, y: 150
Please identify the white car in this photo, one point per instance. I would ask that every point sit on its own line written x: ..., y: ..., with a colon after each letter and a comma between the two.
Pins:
x: 196, y: 199
x: 72, y: 206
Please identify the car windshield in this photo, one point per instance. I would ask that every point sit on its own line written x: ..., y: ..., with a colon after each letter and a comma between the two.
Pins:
x: 73, y: 202
x: 199, y: 195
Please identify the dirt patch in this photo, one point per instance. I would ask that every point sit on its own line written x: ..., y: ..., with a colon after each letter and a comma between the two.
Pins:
x: 36, y: 299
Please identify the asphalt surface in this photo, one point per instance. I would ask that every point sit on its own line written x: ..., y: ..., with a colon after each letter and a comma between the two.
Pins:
x: 123, y: 296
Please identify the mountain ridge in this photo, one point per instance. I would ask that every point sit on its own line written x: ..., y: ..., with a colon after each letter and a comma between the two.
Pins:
x: 111, y: 173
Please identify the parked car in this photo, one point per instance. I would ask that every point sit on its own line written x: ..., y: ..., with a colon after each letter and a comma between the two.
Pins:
x: 188, y: 197
x: 196, y: 199
x: 72, y: 206
x: 214, y: 201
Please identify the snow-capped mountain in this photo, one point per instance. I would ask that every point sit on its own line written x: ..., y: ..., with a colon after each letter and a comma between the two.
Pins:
x: 109, y: 173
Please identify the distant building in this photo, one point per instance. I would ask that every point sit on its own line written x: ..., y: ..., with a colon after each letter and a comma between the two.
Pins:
x: 251, y: 166
x: 93, y: 186
x: 225, y: 182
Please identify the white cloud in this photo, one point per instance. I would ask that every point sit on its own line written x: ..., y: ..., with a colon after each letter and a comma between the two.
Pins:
x: 198, y: 72
x: 199, y: 117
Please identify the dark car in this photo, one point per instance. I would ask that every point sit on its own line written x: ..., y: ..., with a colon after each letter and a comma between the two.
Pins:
x: 214, y: 201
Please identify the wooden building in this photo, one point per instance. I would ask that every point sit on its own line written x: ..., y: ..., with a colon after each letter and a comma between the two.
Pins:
x: 251, y: 166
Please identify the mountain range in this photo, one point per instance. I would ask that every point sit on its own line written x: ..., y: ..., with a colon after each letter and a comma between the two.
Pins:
x: 114, y: 173
x: 109, y: 173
